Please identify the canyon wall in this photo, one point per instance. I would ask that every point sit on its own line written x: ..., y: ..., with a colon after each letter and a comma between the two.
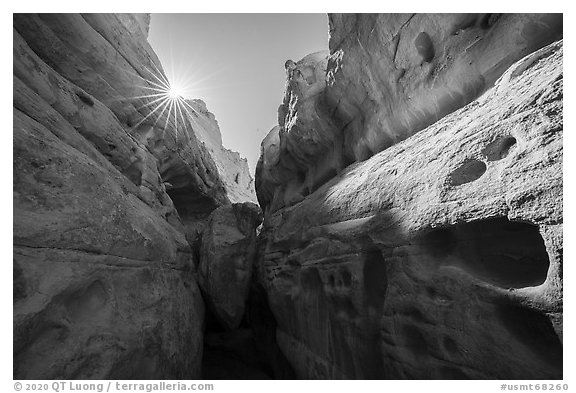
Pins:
x: 110, y: 195
x: 413, y: 200
x: 232, y: 168
x: 386, y: 77
x: 412, y: 192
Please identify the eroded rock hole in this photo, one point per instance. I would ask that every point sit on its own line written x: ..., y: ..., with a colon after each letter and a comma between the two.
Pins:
x: 425, y: 47
x: 190, y: 204
x: 469, y: 171
x: 502, y: 252
x: 499, y: 148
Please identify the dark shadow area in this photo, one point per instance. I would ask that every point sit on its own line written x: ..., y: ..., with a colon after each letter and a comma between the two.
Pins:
x: 425, y: 47
x: 193, y: 210
x: 502, y: 252
x: 534, y: 331
x: 190, y: 204
x: 375, y: 280
x: 249, y: 352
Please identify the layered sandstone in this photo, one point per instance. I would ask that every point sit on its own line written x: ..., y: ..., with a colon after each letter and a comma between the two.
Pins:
x: 108, y: 194
x: 441, y: 256
x: 386, y: 78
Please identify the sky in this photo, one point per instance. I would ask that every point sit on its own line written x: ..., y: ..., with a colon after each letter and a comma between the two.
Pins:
x: 235, y: 63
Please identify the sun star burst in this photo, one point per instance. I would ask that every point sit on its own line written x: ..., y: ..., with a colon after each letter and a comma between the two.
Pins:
x: 174, y: 92
x: 166, y: 96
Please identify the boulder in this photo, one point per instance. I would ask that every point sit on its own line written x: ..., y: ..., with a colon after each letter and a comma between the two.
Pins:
x: 226, y: 259
x: 439, y: 257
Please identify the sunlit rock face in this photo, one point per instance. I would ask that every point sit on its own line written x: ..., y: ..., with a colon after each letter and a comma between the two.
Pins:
x: 298, y: 154
x: 441, y: 256
x: 226, y: 259
x: 232, y: 168
x: 108, y: 194
x: 387, y: 77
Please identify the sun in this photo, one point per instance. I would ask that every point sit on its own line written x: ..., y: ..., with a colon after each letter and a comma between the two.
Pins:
x: 167, y: 97
x: 174, y: 91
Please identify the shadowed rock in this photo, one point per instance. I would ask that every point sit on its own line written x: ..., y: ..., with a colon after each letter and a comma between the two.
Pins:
x: 437, y: 258
x: 226, y: 258
x: 104, y: 274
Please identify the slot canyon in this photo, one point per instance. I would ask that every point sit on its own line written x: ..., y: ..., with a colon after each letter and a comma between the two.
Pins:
x: 404, y: 221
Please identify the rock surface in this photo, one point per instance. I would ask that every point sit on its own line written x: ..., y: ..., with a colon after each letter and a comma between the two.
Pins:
x: 232, y: 168
x: 226, y: 259
x: 387, y: 77
x: 106, y: 191
x: 441, y: 256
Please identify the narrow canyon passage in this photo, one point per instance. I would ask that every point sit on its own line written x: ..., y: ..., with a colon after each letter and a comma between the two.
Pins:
x: 248, y: 352
x: 405, y: 218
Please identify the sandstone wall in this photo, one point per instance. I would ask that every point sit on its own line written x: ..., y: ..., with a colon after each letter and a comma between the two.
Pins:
x: 232, y: 168
x: 106, y: 191
x: 441, y: 256
x: 387, y: 77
